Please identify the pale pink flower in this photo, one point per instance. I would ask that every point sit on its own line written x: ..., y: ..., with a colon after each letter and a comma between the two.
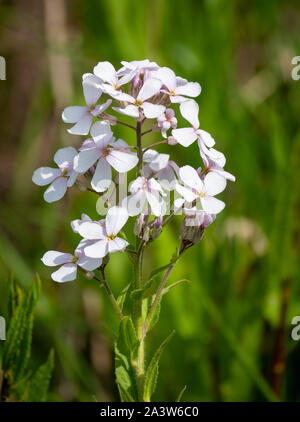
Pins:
x: 166, y: 121
x: 112, y: 84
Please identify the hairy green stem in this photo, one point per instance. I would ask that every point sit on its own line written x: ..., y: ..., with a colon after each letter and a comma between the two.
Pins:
x: 110, y: 294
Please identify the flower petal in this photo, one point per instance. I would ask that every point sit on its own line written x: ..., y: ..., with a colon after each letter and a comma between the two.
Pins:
x: 97, y: 250
x: 152, y: 111
x: 212, y: 205
x: 214, y: 183
x: 87, y: 263
x: 130, y: 110
x: 167, y: 77
x: 190, y: 177
x: 206, y: 138
x: 53, y: 258
x: 102, y: 176
x: 56, y: 190
x: 82, y: 127
x: 85, y: 159
x: 116, y: 218
x: 191, y: 89
x: 106, y: 72
x: 190, y: 110
x: 150, y: 87
x: 73, y: 114
x: 91, y: 230
x: 72, y: 178
x: 118, y: 244
x: 67, y: 272
x: 155, y: 202
x: 135, y: 203
x: 64, y: 156
x: 45, y: 175
x: 187, y: 193
x: 184, y: 136
x: 91, y: 91
x: 122, y: 161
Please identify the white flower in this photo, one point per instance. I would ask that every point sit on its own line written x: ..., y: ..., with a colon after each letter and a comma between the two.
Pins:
x: 176, y: 87
x: 69, y: 263
x: 215, y: 162
x: 112, y: 84
x: 83, y: 116
x: 196, y: 189
x: 186, y: 136
x: 160, y: 167
x: 136, y: 66
x: 166, y: 121
x: 108, y: 152
x: 151, y: 111
x: 145, y: 190
x: 61, y: 178
x: 103, y: 237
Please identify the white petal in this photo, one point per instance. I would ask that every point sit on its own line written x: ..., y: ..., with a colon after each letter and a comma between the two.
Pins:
x: 53, y: 258
x: 159, y: 162
x: 225, y: 174
x: 106, y: 72
x: 91, y: 230
x: 206, y: 138
x: 168, y: 77
x: 122, y: 161
x: 72, y: 178
x: 190, y: 110
x: 82, y: 127
x: 85, y: 159
x: 91, y: 92
x: 214, y: 183
x: 102, y: 176
x: 190, y: 177
x: 150, y: 87
x: 101, y: 133
x: 212, y: 205
x: 130, y: 110
x: 153, y: 185
x: 185, y: 136
x: 152, y: 111
x: 187, y: 193
x: 45, y: 175
x: 56, y: 190
x: 217, y: 156
x: 97, y: 250
x: 191, y: 89
x: 167, y: 178
x: 64, y: 156
x: 116, y: 218
x: 117, y: 244
x: 67, y: 272
x: 89, y: 264
x: 137, y: 184
x: 135, y: 203
x: 101, y: 108
x: 73, y: 114
x: 155, y: 202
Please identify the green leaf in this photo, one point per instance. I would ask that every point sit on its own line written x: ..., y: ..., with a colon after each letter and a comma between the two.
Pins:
x: 125, y: 395
x: 39, y: 383
x: 181, y: 394
x: 147, y: 303
x: 168, y: 288
x: 127, y: 340
x: 152, y: 370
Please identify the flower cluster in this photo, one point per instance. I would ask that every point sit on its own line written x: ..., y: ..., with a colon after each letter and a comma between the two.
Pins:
x: 143, y: 91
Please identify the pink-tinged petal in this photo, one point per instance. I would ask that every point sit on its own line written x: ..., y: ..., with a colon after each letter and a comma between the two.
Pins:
x: 93, y: 79
x: 97, y: 250
x: 150, y: 87
x: 106, y: 72
x: 159, y: 162
x: 167, y: 77
x: 87, y: 144
x: 206, y: 138
x: 120, y: 144
x: 86, y: 159
x: 153, y: 185
x: 212, y: 205
x: 217, y: 156
x: 177, y: 99
x: 152, y: 111
x: 45, y: 175
x: 91, y: 92
x: 82, y: 127
x: 101, y: 108
x: 190, y: 177
x: 76, y: 223
x: 101, y: 133
x: 167, y: 178
x: 91, y: 230
x: 73, y: 114
x: 102, y: 176
x: 191, y: 89
x: 56, y: 190
x: 116, y: 218
x: 187, y: 193
x: 53, y: 258
x: 190, y: 110
x: 118, y: 244
x: 126, y: 78
x: 67, y: 272
x: 214, y: 183
x: 225, y: 174
x: 130, y: 110
x: 184, y: 136
x: 137, y: 184
x: 135, y: 202
x: 72, y: 178
x: 64, y: 156
x: 89, y: 264
x: 122, y: 161
x: 155, y: 203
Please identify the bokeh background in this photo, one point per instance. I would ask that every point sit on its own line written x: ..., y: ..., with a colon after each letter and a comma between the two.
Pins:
x: 233, y: 320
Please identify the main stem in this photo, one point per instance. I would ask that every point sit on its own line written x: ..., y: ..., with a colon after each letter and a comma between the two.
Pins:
x: 137, y: 317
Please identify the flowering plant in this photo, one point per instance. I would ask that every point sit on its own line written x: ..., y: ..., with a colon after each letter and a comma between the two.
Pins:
x: 100, y: 166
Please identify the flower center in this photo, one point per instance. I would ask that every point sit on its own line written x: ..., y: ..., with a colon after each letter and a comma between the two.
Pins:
x: 116, y: 86
x: 202, y: 194
x: 91, y: 108
x: 64, y: 172
x: 111, y: 237
x: 172, y: 92
x: 105, y: 152
x: 138, y: 103
x: 74, y: 259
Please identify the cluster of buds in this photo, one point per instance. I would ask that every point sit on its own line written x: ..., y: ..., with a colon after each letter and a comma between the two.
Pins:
x: 153, y: 93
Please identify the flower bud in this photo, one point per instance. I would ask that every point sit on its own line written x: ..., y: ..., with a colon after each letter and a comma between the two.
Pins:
x: 157, y: 228
x: 146, y: 234
x: 89, y: 274
x: 139, y: 225
x: 172, y: 141
x: 190, y: 231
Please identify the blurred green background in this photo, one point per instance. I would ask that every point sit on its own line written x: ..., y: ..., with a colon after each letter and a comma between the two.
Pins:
x: 233, y: 320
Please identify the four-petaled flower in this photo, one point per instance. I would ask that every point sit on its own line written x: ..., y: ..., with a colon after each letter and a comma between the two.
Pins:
x: 103, y: 237
x: 60, y: 178
x: 166, y: 121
